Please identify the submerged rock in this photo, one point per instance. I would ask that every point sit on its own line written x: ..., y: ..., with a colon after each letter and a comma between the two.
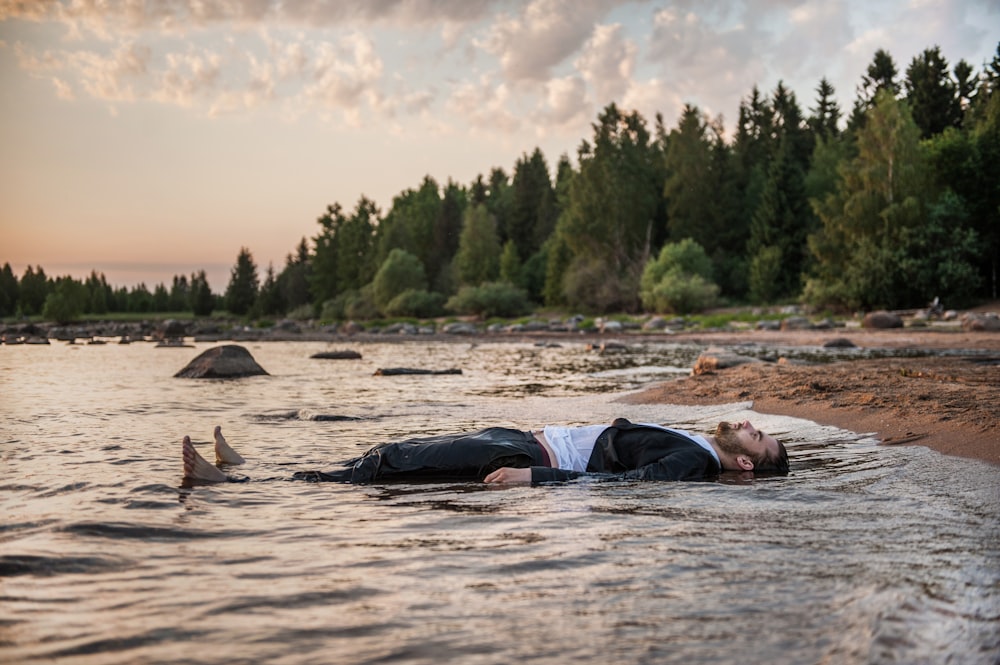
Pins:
x: 397, y: 371
x: 222, y: 362
x: 344, y: 354
x: 839, y: 343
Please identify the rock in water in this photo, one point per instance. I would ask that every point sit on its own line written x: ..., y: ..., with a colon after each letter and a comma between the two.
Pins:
x: 713, y: 359
x: 222, y: 362
x: 881, y: 319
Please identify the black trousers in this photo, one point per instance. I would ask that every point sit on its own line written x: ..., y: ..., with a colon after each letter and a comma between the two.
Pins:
x: 469, y: 456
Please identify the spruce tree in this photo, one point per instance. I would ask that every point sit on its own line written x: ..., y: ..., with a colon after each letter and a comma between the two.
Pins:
x: 932, y: 94
x: 243, y: 284
x: 202, y: 300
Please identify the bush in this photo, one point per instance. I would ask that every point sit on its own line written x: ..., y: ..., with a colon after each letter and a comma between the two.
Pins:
x: 679, y: 280
x: 421, y: 304
x: 333, y: 309
x: 490, y: 299
x: 361, y: 306
x: 681, y: 293
x: 401, y: 271
x: 301, y: 313
x: 592, y: 286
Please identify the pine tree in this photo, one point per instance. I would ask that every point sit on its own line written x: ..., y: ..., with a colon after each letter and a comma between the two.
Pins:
x: 447, y: 231
x: 9, y: 291
x: 243, y: 284
x: 779, y: 230
x: 529, y: 222
x: 353, y: 246
x: 324, y: 272
x: 693, y: 182
x: 202, y: 300
x: 880, y: 76
x: 826, y: 115
x: 34, y: 289
x: 270, y: 301
x: 932, y: 94
x: 610, y: 211
x: 295, y: 278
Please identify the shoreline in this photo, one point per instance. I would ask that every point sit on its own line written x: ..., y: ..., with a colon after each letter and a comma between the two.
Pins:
x: 950, y: 404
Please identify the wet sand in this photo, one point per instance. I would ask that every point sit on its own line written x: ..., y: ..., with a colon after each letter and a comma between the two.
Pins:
x: 950, y: 404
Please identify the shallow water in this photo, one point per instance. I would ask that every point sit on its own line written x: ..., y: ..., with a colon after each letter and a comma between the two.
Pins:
x: 863, y: 554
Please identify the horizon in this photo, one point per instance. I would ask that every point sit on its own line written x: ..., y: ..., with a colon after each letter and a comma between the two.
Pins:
x: 144, y: 143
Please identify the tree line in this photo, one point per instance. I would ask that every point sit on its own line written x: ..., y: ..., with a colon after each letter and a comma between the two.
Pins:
x: 888, y: 205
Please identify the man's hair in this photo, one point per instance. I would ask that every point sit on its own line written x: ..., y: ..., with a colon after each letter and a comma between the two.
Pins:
x: 768, y: 463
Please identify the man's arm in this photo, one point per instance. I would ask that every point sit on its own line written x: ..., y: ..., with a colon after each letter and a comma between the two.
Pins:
x: 692, y: 464
x: 689, y: 464
x: 534, y: 474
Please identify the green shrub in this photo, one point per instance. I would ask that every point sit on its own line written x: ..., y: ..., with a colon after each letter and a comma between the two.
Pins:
x: 361, y: 305
x: 401, y: 271
x: 592, y: 285
x: 681, y: 293
x: 679, y: 280
x: 490, y: 299
x: 416, y: 303
x: 332, y: 310
x: 301, y: 313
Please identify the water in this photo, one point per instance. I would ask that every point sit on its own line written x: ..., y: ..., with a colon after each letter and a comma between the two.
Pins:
x: 863, y: 554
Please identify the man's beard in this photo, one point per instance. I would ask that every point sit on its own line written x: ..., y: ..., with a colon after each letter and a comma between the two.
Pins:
x: 726, y: 439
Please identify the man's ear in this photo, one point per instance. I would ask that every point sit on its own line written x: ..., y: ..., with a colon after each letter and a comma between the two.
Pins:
x: 744, y: 462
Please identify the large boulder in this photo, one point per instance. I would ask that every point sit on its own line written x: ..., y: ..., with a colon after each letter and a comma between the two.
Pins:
x: 881, y: 320
x: 222, y: 362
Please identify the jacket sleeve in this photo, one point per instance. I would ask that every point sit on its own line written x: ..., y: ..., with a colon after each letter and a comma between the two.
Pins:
x: 679, y: 465
x: 689, y: 464
x: 544, y: 474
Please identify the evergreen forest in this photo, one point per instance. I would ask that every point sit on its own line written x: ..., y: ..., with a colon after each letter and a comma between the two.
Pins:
x: 888, y: 204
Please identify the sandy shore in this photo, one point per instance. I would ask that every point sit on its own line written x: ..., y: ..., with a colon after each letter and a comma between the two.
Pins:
x: 950, y: 404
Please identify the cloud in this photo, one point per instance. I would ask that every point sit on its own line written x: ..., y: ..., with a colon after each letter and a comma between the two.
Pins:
x: 188, y: 77
x: 565, y: 102
x: 483, y: 106
x: 711, y: 64
x: 344, y: 73
x: 607, y: 63
x: 109, y: 17
x: 496, y: 65
x: 545, y: 33
x: 63, y: 89
x: 113, y: 78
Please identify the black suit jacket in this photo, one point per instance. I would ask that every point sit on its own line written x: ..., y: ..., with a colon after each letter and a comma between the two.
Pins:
x: 640, y: 452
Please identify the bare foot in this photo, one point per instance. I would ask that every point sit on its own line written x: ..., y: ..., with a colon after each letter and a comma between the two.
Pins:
x: 197, y: 467
x: 224, y: 454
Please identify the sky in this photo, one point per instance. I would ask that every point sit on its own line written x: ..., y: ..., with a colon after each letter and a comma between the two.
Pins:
x: 145, y: 139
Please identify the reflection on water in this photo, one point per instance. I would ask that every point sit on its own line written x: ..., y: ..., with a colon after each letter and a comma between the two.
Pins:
x: 862, y: 554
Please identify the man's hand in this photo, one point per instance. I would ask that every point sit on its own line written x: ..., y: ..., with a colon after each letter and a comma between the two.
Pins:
x: 509, y: 475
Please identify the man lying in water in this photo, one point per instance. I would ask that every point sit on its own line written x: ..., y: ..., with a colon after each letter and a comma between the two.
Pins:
x: 501, y: 455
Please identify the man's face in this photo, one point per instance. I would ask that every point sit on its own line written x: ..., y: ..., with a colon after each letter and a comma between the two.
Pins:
x: 745, y: 439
